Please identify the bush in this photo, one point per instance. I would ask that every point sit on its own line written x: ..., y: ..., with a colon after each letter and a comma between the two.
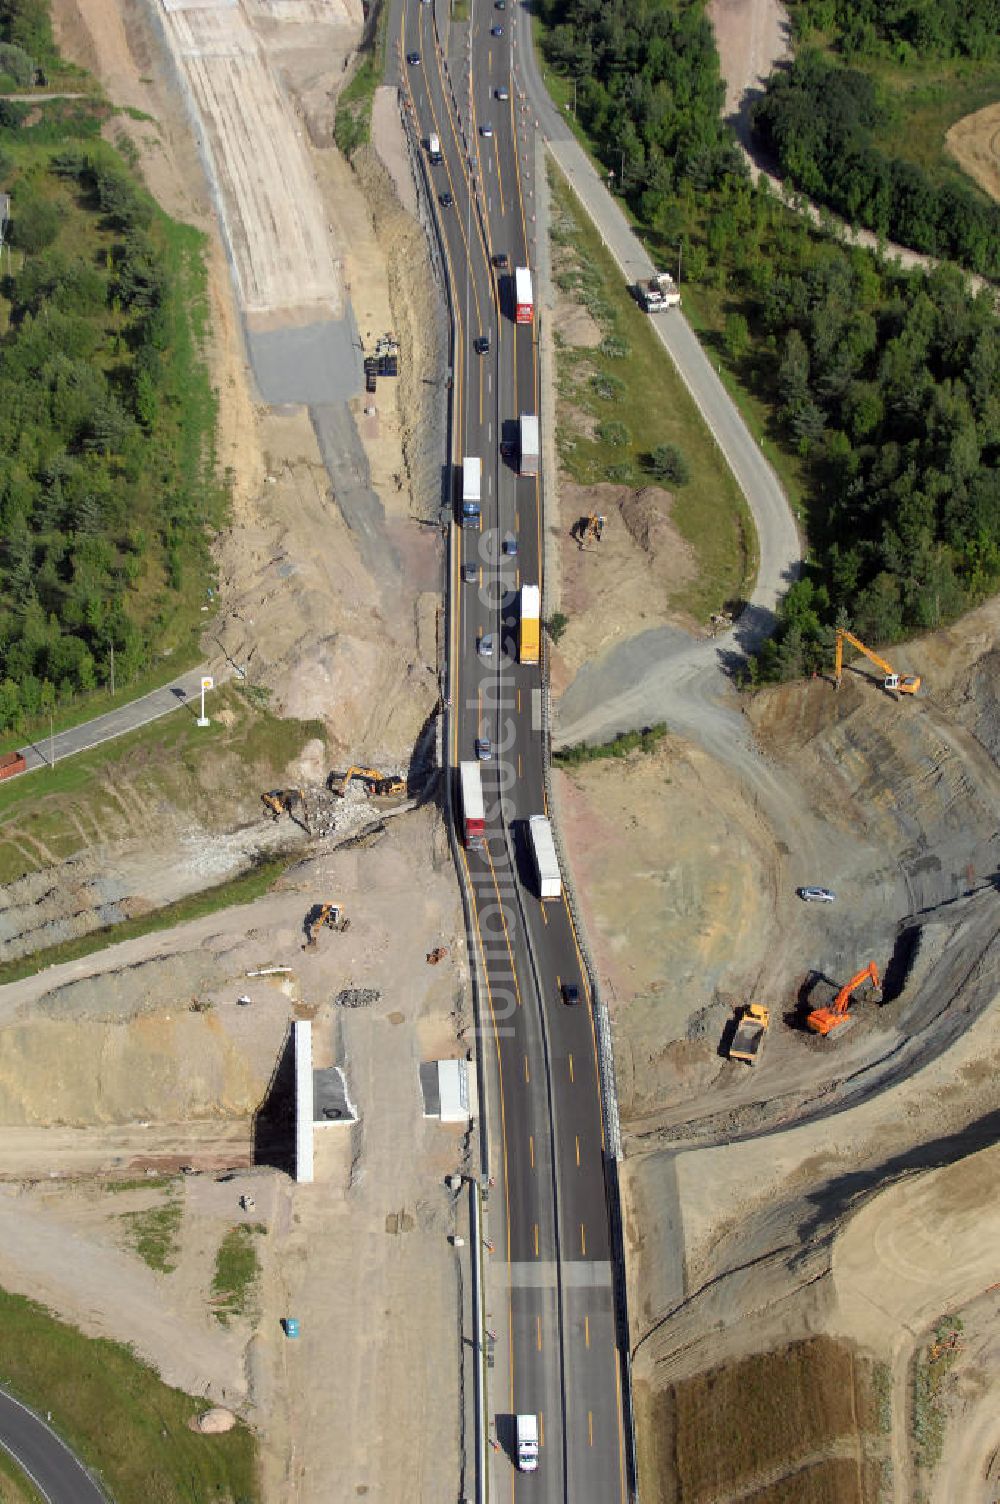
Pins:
x: 621, y: 474
x: 614, y: 433
x: 34, y: 225
x: 608, y: 388
x: 556, y: 625
x: 615, y: 348
x: 669, y: 465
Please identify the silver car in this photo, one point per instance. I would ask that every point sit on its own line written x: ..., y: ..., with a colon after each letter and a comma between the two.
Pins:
x: 816, y: 895
x: 486, y: 645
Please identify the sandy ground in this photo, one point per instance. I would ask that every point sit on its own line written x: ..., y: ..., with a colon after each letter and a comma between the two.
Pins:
x: 975, y: 144
x: 176, y: 1086
x: 739, y: 1182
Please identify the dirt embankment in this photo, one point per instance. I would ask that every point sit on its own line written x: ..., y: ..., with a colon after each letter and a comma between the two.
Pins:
x: 115, y: 1066
x: 688, y: 866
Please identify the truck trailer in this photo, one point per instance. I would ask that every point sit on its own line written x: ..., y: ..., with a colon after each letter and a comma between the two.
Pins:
x: 529, y: 447
x: 529, y: 630
x: 473, y: 808
x: 523, y: 297
x: 472, y: 489
x: 543, y: 851
x: 527, y: 1443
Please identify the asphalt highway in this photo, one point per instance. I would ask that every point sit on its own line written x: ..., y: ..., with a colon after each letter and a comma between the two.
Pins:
x: 550, y: 1277
x: 48, y: 1462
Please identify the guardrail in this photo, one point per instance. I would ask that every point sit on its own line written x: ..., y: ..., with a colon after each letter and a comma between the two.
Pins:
x: 446, y: 674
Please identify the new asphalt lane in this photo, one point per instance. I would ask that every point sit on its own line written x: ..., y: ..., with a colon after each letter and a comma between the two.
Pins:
x: 48, y: 1462
x: 551, y: 1265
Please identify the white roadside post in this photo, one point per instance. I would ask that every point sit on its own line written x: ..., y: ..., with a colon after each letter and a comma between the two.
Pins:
x: 206, y: 683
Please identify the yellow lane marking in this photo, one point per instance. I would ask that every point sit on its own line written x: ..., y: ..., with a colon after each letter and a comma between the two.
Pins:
x: 527, y: 1073
x: 538, y: 1332
x: 520, y: 769
x: 545, y: 917
x: 586, y: 1330
x: 583, y: 1239
x: 572, y: 1074
x: 536, y: 1240
x: 578, y: 1151
x: 590, y: 1427
x: 531, y: 1148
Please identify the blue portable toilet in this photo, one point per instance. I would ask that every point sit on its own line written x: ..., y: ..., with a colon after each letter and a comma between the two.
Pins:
x: 291, y: 1325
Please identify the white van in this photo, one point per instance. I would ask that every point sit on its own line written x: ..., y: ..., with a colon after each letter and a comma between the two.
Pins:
x: 433, y: 148
x: 527, y: 1443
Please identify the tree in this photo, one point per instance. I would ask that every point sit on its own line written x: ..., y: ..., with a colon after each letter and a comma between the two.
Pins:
x: 669, y: 465
x: 34, y: 224
x: 737, y: 336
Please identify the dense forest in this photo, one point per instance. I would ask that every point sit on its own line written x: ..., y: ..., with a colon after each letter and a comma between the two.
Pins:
x: 816, y: 119
x: 107, y: 419
x: 649, y: 93
x: 885, y: 384
x: 932, y: 28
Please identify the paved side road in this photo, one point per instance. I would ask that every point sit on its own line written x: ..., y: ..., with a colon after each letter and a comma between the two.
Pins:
x: 57, y: 1474
x: 780, y: 552
x: 185, y: 690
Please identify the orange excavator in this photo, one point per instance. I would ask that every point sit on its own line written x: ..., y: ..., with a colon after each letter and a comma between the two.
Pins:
x: 903, y: 684
x: 827, y: 1020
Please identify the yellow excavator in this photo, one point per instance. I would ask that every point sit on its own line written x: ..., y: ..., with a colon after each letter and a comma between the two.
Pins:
x: 589, y: 529
x: 328, y: 915
x: 383, y: 785
x: 284, y: 802
x: 902, y: 684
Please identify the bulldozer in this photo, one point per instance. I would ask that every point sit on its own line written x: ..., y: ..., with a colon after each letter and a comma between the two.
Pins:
x: 284, y: 802
x: 827, y: 1021
x: 382, y: 785
x: 325, y: 915
x: 892, y: 683
x: 587, y: 529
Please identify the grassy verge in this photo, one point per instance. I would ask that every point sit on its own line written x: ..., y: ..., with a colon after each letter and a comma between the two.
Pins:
x: 630, y: 390
x: 202, y: 771
x: 619, y: 746
x: 155, y: 1230
x: 237, y: 1270
x: 706, y: 310
x: 352, y: 125
x: 15, y: 1487
x: 243, y: 889
x: 115, y: 1413
x: 87, y: 707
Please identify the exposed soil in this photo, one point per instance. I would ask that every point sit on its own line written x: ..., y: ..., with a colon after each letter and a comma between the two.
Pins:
x: 974, y: 142
x: 741, y: 1184
x: 141, y: 1058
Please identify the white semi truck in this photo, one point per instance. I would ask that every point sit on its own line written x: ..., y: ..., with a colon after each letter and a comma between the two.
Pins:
x: 472, y: 490
x: 543, y: 851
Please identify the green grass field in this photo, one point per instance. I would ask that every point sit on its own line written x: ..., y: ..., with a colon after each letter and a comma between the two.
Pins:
x: 630, y: 389
x: 237, y: 1270
x: 118, y: 1416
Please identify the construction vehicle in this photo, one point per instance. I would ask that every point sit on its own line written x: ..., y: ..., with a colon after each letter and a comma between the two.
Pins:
x: 660, y: 291
x: 282, y: 801
x: 751, y: 1027
x: 587, y: 528
x: 828, y: 1020
x: 328, y: 915
x: 903, y: 684
x: 382, y: 785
